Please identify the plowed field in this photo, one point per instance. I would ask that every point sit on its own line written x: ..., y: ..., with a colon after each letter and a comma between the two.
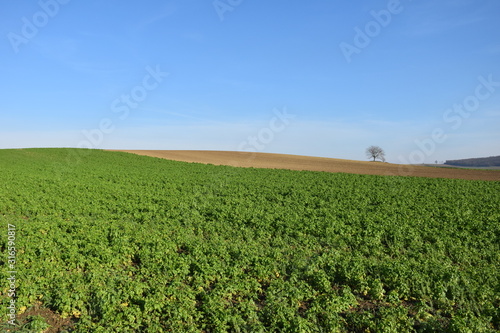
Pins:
x: 296, y: 162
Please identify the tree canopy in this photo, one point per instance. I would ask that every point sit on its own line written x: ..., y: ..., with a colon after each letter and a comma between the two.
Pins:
x: 375, y: 152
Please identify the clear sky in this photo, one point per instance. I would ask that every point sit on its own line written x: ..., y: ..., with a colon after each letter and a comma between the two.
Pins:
x: 421, y: 79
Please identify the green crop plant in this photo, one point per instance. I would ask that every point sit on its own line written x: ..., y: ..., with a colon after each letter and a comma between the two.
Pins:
x: 126, y: 243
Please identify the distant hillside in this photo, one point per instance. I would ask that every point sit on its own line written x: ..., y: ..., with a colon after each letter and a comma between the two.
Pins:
x: 295, y: 162
x: 476, y: 162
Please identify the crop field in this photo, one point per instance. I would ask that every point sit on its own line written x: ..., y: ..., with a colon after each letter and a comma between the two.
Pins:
x: 100, y: 241
x: 297, y: 162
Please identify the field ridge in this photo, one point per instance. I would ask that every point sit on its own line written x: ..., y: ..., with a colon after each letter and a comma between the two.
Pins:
x: 299, y: 162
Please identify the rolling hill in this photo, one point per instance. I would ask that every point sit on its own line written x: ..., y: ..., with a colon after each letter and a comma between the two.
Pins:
x: 492, y: 161
x: 296, y: 162
x: 102, y: 241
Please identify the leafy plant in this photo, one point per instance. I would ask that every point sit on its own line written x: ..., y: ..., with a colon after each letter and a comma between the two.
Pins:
x: 126, y: 243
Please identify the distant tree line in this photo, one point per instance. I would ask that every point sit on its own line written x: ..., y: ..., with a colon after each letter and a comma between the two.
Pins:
x: 476, y: 162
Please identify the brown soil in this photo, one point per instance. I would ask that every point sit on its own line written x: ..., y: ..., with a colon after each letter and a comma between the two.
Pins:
x: 296, y: 162
x: 56, y: 322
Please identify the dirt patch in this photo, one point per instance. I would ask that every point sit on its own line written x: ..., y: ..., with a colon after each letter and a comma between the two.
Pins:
x: 56, y: 322
x: 297, y: 162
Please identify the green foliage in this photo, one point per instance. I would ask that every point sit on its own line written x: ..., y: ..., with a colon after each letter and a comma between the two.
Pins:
x: 36, y: 324
x: 126, y: 243
x: 32, y: 324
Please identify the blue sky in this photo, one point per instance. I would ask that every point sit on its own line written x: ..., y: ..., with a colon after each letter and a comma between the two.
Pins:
x: 421, y: 79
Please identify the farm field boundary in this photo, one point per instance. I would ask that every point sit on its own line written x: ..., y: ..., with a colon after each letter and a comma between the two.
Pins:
x: 297, y: 162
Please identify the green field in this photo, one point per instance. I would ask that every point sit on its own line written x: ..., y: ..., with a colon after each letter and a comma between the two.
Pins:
x: 126, y: 243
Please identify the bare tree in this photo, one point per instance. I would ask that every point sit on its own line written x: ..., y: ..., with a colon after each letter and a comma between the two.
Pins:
x: 375, y: 152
